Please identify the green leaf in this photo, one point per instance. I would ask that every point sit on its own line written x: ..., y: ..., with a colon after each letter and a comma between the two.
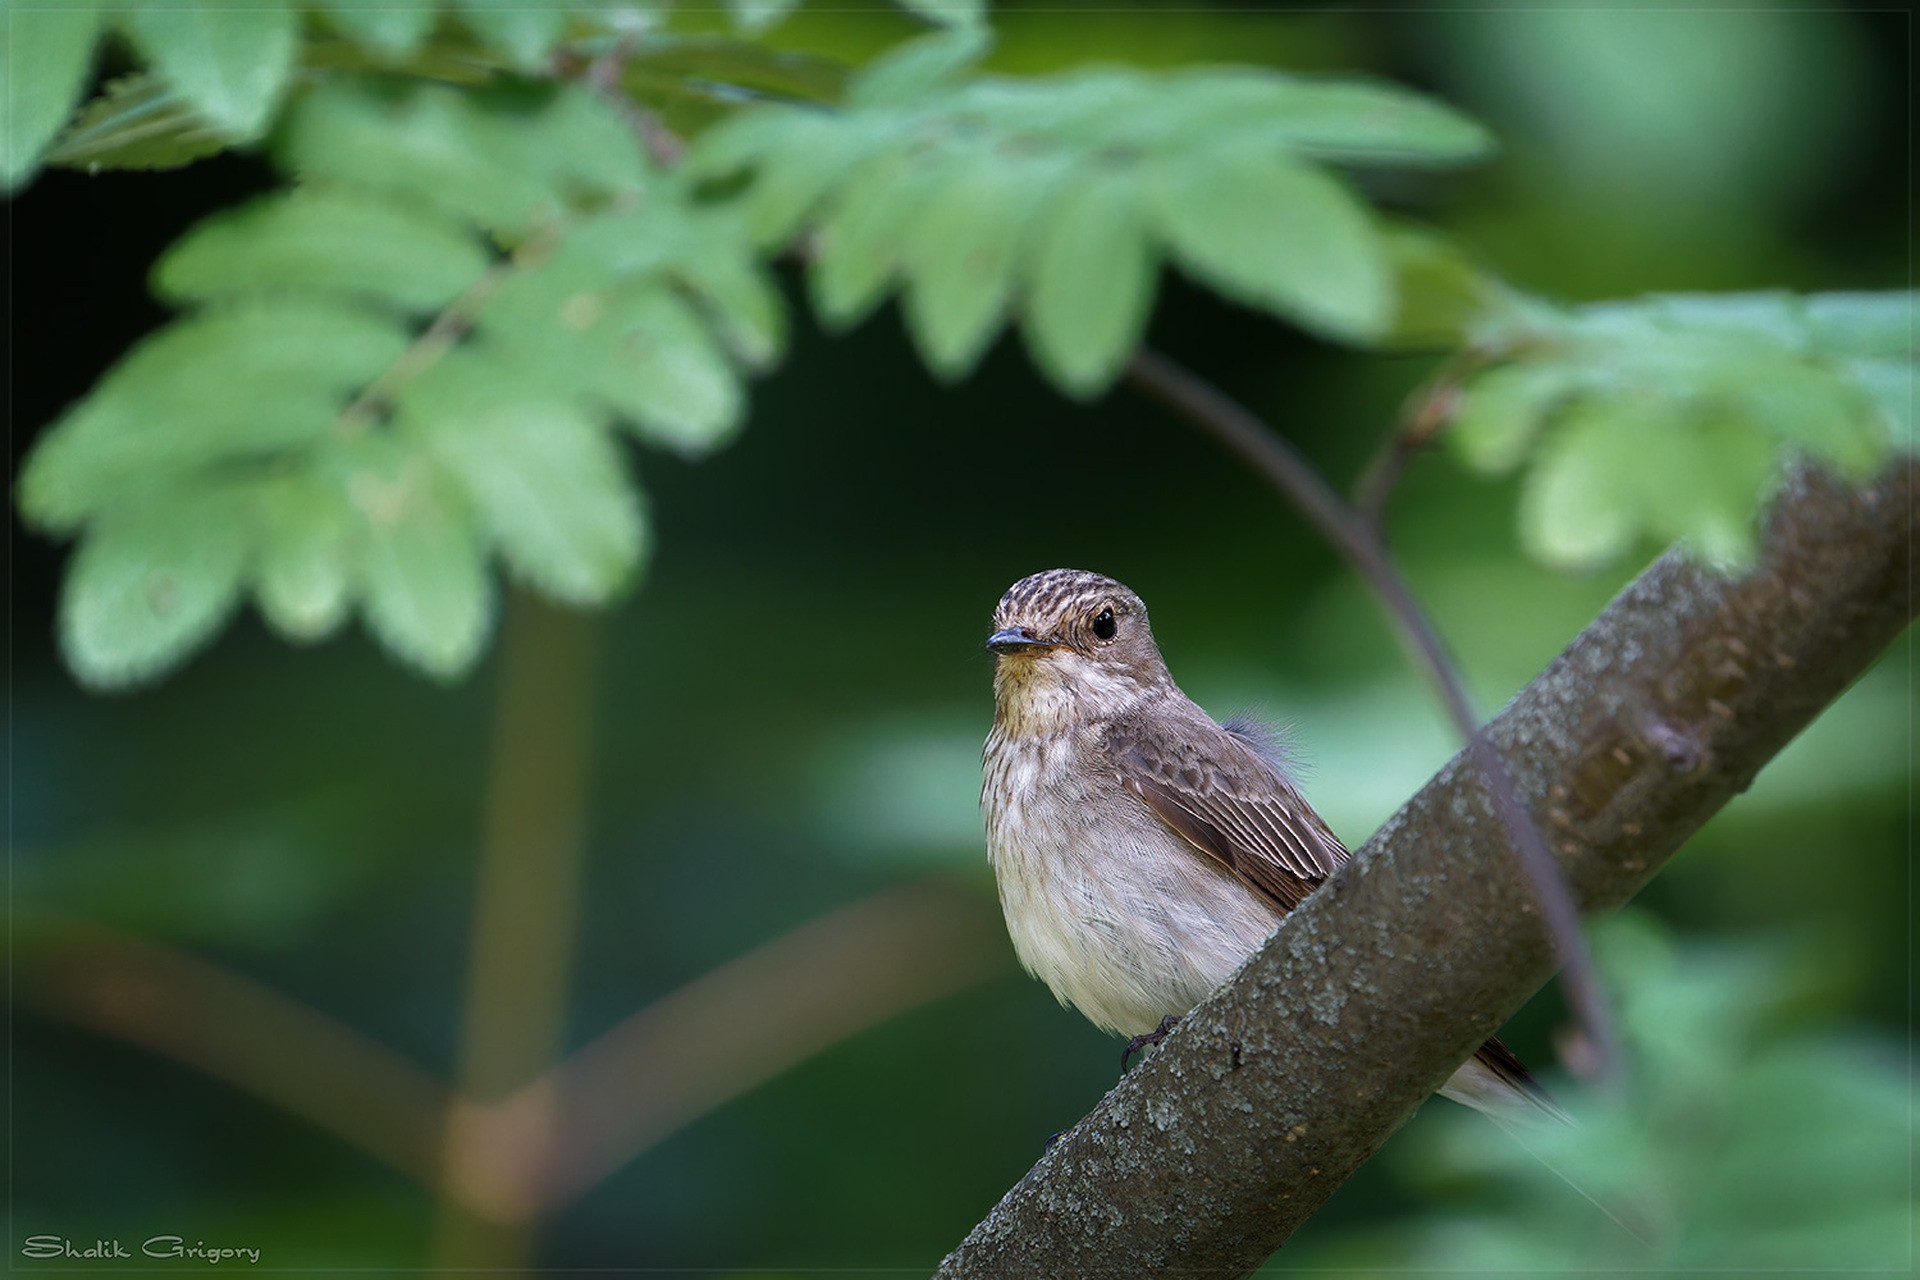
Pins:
x: 1863, y: 324
x: 46, y: 53
x: 540, y: 474
x: 1703, y: 486
x: 304, y: 572
x: 230, y: 61
x: 1092, y: 279
x: 325, y: 241
x: 491, y: 157
x: 238, y: 382
x: 919, y: 68
x: 962, y: 250
x: 1347, y: 120
x: 136, y: 122
x: 667, y: 375
x: 1578, y: 508
x: 947, y: 12
x: 428, y: 597
x: 151, y: 581
x: 521, y: 33
x: 1276, y: 233
x: 1503, y: 410
x: 394, y: 30
x: 797, y: 156
x: 757, y: 15
x: 1442, y: 297
x: 1802, y: 404
x: 1888, y: 386
x: 863, y: 233
x: 714, y: 261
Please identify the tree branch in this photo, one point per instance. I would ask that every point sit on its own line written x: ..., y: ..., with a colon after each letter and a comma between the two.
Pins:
x: 1279, y: 1086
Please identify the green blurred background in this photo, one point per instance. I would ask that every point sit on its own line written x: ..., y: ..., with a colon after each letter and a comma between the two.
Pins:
x: 784, y: 721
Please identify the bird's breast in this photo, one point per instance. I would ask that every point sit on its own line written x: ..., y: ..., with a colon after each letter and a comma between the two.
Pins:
x: 1113, y: 911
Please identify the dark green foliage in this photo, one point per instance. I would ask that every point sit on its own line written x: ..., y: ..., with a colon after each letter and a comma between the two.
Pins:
x: 371, y: 396
x: 971, y: 194
x: 409, y: 359
x: 1741, y: 1139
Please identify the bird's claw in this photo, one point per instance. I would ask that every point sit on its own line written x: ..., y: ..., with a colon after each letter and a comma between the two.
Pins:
x: 1153, y: 1038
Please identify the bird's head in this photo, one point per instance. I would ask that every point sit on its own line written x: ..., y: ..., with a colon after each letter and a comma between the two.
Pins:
x: 1071, y: 645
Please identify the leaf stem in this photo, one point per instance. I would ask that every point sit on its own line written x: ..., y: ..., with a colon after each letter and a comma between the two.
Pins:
x: 439, y: 337
x: 1358, y: 542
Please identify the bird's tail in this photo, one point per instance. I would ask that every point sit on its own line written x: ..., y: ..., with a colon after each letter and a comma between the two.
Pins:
x: 1496, y: 1084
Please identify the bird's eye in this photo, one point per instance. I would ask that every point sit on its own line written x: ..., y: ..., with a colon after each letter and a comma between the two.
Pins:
x: 1104, y: 626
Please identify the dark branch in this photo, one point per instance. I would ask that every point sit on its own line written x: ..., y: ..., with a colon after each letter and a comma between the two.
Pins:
x: 1358, y: 541
x: 1378, y: 986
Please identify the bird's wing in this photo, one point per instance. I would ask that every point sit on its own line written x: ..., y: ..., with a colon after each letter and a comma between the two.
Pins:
x: 1227, y: 799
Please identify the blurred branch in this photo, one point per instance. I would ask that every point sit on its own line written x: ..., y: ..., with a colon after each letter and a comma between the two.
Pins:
x: 555, y: 1136
x: 721, y: 1035
x: 1357, y: 539
x: 526, y: 890
x: 1271, y: 1093
x: 247, y: 1034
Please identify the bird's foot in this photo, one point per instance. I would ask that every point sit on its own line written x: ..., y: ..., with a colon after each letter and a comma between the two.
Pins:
x: 1153, y: 1038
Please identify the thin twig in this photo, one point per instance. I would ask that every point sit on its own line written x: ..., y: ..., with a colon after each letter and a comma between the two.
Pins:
x: 1359, y: 544
x: 1425, y: 415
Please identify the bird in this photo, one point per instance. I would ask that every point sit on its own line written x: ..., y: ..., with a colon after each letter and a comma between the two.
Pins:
x: 1143, y: 850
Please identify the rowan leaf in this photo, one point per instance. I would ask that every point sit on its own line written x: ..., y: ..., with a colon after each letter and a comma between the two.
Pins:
x: 962, y: 252
x: 667, y: 376
x: 1091, y: 281
x: 1276, y: 233
x: 304, y: 571
x: 230, y: 60
x: 394, y: 30
x: 1578, y: 508
x: 245, y: 381
x: 47, y: 54
x: 863, y: 235
x: 521, y: 33
x: 919, y: 67
x: 428, y: 597
x: 137, y: 122
x: 541, y: 476
x: 151, y: 581
x: 325, y: 241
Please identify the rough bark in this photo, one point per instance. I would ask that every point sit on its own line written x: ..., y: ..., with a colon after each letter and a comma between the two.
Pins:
x: 1272, y: 1092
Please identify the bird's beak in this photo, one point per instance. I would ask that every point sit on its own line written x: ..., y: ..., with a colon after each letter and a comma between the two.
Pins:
x: 1017, y: 640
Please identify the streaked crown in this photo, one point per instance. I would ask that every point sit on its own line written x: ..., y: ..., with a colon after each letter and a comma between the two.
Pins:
x: 1073, y: 608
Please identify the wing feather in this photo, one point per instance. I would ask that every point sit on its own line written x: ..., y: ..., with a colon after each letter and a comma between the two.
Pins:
x: 1223, y: 791
x: 1227, y: 798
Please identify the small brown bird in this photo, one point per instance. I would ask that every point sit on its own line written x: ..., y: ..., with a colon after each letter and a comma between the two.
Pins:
x: 1143, y: 850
